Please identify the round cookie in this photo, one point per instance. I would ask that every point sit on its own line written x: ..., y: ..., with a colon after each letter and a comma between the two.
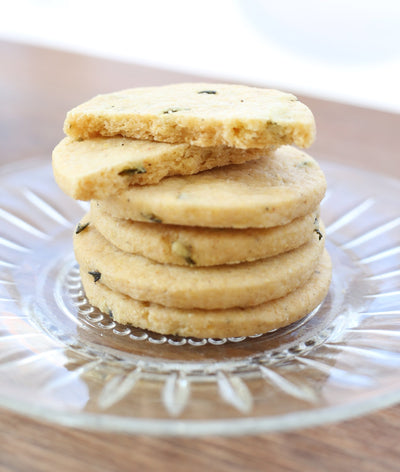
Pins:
x: 270, y: 191
x: 216, y: 323
x: 226, y: 286
x: 200, y: 246
x: 99, y: 167
x: 200, y: 114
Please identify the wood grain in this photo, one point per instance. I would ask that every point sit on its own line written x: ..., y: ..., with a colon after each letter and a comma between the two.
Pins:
x: 366, y: 444
x: 37, y: 87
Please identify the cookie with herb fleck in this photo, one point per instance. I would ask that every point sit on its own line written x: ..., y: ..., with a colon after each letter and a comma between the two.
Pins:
x: 197, y: 246
x: 200, y: 114
x: 99, y: 167
x: 270, y: 191
x: 223, y: 286
x: 198, y: 323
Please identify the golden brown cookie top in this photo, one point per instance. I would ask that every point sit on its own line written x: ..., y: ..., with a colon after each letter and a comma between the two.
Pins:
x: 266, y: 192
x: 100, y: 167
x: 200, y: 114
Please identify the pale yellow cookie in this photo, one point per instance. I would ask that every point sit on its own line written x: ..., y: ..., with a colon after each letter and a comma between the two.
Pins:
x: 213, y: 323
x: 200, y: 114
x: 226, y: 286
x: 99, y: 167
x: 199, y: 246
x: 270, y: 191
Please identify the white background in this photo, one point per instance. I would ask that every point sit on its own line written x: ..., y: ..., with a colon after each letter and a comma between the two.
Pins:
x: 346, y: 50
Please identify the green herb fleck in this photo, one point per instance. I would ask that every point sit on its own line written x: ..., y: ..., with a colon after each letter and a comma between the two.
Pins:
x: 133, y: 170
x: 174, y: 110
x: 81, y: 227
x: 316, y: 229
x: 95, y: 274
x: 209, y: 92
x: 320, y: 235
x: 182, y: 250
x: 303, y: 164
x: 171, y: 110
x: 151, y: 217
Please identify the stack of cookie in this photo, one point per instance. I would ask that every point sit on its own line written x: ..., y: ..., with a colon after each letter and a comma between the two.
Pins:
x: 204, y: 218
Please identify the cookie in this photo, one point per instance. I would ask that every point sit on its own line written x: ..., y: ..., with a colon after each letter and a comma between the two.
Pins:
x: 99, y: 167
x: 225, y: 286
x: 213, y: 323
x: 270, y: 191
x: 199, y: 114
x: 197, y: 246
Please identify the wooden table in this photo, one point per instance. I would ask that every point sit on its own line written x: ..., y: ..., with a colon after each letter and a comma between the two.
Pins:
x: 37, y: 87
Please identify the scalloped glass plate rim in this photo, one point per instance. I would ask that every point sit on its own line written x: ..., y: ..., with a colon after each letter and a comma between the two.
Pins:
x: 227, y: 427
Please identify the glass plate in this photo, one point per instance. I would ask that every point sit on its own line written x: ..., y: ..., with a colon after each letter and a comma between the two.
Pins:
x: 61, y: 360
